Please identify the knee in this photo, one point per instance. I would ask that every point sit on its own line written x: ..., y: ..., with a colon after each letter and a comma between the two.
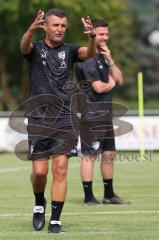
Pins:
x: 40, y: 172
x: 109, y: 156
x: 60, y: 172
x: 89, y: 158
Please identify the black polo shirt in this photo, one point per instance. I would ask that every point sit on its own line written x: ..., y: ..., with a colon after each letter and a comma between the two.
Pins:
x: 91, y: 70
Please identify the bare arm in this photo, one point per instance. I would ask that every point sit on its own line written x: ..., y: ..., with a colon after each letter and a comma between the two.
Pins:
x: 116, y: 74
x: 90, y: 51
x: 26, y: 42
x: 102, y: 87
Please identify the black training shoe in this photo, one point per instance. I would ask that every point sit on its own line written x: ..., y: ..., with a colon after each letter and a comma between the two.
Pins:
x: 92, y: 202
x: 55, y: 227
x: 115, y: 200
x: 39, y: 217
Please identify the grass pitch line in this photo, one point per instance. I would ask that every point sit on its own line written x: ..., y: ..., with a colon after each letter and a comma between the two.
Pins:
x: 15, y: 169
x: 6, y: 170
x: 9, y: 215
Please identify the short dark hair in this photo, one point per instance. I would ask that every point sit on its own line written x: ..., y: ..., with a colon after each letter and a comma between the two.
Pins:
x: 99, y: 23
x: 54, y: 12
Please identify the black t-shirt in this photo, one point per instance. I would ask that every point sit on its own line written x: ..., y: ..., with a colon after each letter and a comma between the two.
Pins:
x: 50, y: 72
x: 92, y: 105
x: 91, y: 70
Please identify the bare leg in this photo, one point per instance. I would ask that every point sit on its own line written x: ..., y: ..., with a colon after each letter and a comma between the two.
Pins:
x: 107, y: 164
x: 39, y: 180
x: 107, y: 172
x: 39, y: 175
x: 58, y: 191
x: 87, y: 167
x: 59, y: 183
x: 87, y: 172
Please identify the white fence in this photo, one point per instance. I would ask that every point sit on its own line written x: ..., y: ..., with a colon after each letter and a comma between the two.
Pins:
x: 130, y: 141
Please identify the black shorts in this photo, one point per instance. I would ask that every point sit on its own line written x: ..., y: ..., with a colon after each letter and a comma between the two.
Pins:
x: 97, y: 139
x: 48, y: 138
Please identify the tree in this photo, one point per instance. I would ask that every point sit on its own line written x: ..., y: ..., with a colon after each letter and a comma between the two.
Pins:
x: 7, y: 23
x: 19, y: 15
x: 147, y: 54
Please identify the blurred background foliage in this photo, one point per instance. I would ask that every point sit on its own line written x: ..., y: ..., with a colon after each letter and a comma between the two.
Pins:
x: 131, y: 25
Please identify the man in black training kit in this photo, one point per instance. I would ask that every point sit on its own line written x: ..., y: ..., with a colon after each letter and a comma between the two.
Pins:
x: 51, y: 62
x: 103, y: 75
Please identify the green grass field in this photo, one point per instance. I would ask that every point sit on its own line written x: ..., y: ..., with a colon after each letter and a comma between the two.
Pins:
x: 137, y: 181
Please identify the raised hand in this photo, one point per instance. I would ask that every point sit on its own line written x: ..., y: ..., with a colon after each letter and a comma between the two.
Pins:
x: 89, y: 30
x: 38, y: 22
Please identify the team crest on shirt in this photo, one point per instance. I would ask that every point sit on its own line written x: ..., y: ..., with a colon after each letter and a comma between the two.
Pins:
x: 62, y: 56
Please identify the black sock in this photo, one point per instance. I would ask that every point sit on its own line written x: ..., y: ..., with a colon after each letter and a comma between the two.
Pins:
x: 87, y: 187
x: 56, y: 210
x: 108, y: 188
x: 39, y: 198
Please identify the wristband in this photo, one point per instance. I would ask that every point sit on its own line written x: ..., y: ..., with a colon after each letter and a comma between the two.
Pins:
x: 93, y: 36
x: 111, y: 63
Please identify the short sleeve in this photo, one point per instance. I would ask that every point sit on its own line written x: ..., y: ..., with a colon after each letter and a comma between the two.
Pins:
x: 30, y: 56
x: 90, y: 70
x: 74, y: 53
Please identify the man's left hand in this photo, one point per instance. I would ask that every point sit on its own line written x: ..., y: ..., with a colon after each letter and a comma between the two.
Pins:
x: 89, y: 30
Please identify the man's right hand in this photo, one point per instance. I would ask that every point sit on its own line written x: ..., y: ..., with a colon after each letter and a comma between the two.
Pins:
x: 26, y: 44
x: 38, y: 22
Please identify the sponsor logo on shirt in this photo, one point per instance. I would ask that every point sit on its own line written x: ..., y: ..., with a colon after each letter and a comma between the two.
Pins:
x: 43, y: 56
x: 44, y: 53
x: 31, y: 148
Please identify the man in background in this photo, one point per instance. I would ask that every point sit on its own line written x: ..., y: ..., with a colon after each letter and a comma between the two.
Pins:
x: 102, y: 75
